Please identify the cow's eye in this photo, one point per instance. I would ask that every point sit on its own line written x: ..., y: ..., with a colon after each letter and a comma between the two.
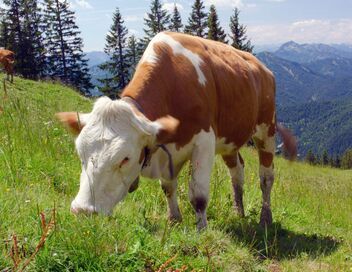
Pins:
x: 124, y: 161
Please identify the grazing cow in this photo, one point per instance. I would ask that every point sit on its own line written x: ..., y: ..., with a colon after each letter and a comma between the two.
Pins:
x: 7, y: 59
x: 190, y: 99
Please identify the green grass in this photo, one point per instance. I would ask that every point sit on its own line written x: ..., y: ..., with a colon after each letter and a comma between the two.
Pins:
x: 312, y: 206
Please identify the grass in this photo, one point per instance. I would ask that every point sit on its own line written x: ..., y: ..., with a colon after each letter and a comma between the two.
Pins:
x: 312, y: 206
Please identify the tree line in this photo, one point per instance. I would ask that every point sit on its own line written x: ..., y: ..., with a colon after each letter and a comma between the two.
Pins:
x: 46, y: 41
x: 125, y: 50
x: 344, y: 161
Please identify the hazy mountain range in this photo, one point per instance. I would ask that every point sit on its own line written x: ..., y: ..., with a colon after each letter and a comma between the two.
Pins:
x: 314, y: 91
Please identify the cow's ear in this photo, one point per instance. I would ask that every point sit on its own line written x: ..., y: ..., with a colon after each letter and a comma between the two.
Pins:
x: 168, y: 126
x: 73, y: 121
x: 159, y: 131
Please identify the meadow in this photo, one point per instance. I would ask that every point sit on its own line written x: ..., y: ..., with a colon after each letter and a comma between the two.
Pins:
x: 39, y: 172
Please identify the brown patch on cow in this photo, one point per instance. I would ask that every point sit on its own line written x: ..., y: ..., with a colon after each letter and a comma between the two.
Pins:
x: 230, y: 161
x: 168, y: 129
x: 272, y: 130
x: 7, y: 59
x: 259, y: 143
x: 70, y: 121
x: 238, y: 95
x: 265, y: 158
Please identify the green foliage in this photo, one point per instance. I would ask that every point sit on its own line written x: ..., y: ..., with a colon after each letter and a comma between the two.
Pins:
x: 65, y: 58
x: 118, y: 64
x: 175, y: 20
x: 156, y: 21
x: 325, y: 158
x: 346, y: 159
x: 320, y: 125
x: 238, y: 33
x: 215, y: 31
x: 39, y: 169
x: 133, y: 53
x: 21, y: 33
x: 310, y: 157
x: 197, y: 21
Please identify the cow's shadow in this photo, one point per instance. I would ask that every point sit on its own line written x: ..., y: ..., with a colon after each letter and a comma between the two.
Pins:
x: 276, y: 242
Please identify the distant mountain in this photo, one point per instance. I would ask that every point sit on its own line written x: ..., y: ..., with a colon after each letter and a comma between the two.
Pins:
x: 304, y: 53
x: 96, y: 58
x: 301, y: 83
x: 335, y: 67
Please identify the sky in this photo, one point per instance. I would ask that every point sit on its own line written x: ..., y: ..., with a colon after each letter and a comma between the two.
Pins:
x: 269, y: 22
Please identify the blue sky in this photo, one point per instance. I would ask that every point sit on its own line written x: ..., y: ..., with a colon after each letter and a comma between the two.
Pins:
x: 268, y: 21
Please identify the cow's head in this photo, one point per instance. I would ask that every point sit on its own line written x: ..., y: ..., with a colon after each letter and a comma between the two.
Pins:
x: 111, y: 142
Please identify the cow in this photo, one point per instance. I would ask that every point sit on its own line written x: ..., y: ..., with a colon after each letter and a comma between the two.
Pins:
x: 7, y: 59
x: 189, y: 99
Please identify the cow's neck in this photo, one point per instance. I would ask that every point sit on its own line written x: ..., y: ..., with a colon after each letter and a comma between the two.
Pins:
x: 149, y: 91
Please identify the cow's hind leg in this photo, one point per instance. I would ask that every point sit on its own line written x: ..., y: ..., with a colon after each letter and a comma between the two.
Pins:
x: 170, y: 189
x: 235, y: 164
x: 202, y: 161
x: 264, y: 139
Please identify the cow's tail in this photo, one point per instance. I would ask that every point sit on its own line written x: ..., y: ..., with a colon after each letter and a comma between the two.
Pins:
x: 289, y: 141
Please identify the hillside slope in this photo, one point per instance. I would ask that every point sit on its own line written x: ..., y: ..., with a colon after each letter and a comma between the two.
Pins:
x: 39, y: 170
x: 320, y: 125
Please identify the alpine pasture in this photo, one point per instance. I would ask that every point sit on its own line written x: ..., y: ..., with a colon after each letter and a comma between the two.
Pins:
x: 39, y: 172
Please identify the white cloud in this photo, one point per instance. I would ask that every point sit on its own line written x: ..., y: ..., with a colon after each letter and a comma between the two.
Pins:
x: 170, y: 6
x: 224, y: 3
x: 305, y: 31
x: 83, y: 4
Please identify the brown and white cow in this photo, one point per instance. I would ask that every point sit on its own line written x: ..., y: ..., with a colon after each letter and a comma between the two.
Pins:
x: 7, y: 59
x: 197, y: 97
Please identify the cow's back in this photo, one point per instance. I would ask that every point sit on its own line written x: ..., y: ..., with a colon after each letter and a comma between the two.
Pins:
x: 237, y: 93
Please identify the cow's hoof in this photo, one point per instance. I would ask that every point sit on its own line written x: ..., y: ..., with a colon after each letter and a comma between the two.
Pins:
x: 175, y: 218
x: 266, y: 217
x: 239, y: 210
x: 201, y: 225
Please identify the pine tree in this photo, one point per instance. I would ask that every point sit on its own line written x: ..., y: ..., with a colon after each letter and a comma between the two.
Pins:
x: 132, y: 54
x: 175, y: 21
x: 310, y: 157
x: 157, y: 21
x: 4, y: 29
x: 325, y: 158
x: 197, y: 22
x: 117, y: 66
x: 238, y: 33
x: 346, y: 159
x: 215, y: 31
x: 65, y: 58
x: 34, y: 63
x: 15, y: 32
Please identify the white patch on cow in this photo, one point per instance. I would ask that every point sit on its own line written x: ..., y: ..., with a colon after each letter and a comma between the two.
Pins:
x: 266, y: 172
x: 237, y: 173
x: 178, y: 49
x: 262, y: 133
x: 224, y: 148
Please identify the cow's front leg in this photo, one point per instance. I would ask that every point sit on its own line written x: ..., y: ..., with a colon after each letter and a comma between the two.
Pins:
x: 202, y: 162
x: 170, y: 189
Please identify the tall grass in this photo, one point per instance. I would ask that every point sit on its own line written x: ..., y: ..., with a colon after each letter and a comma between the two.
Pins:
x: 312, y: 206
